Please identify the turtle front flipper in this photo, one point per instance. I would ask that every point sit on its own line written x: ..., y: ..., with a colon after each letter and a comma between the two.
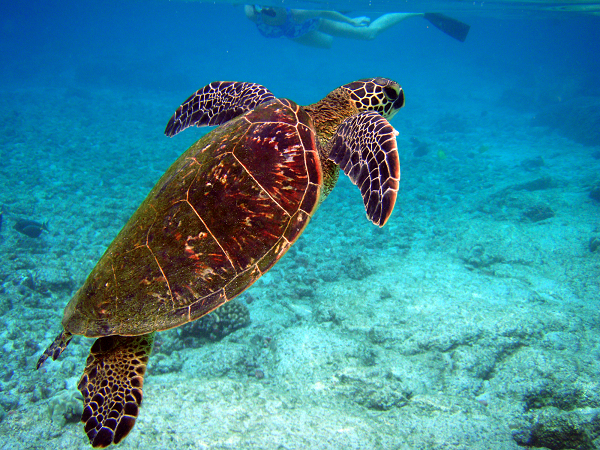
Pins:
x: 112, y: 386
x: 217, y: 103
x: 364, y: 147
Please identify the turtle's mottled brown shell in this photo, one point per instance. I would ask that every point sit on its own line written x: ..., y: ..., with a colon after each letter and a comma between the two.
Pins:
x: 223, y: 214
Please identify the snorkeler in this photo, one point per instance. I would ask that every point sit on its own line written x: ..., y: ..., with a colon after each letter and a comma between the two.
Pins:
x: 317, y: 28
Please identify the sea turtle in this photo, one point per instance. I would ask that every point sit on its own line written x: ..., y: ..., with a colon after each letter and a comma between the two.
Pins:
x: 219, y: 218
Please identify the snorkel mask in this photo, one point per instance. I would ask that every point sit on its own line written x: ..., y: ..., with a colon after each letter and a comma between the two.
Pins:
x: 267, y: 11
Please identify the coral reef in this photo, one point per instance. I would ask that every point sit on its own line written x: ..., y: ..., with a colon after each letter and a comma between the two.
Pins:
x: 218, y: 324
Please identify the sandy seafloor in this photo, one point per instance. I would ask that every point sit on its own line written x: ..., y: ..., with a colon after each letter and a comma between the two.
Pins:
x: 462, y: 324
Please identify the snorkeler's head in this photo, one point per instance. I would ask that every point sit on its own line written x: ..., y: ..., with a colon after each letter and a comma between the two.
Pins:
x: 266, y: 10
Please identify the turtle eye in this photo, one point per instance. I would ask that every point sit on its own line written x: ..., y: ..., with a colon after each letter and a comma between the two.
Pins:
x: 391, y: 93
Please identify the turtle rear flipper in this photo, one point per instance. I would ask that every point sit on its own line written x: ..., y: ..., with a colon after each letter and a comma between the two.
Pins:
x: 217, y: 103
x: 112, y: 386
x: 364, y: 147
x: 56, y: 348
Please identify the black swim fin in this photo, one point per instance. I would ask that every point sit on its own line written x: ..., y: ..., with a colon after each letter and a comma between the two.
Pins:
x: 452, y: 27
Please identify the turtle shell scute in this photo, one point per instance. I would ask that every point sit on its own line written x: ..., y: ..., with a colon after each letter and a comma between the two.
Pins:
x: 219, y: 218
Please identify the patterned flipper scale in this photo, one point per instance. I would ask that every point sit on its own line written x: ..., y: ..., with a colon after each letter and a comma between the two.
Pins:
x: 112, y: 386
x: 217, y: 103
x: 364, y: 147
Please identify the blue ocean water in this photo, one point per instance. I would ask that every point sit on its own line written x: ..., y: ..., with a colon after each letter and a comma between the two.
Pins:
x: 470, y: 321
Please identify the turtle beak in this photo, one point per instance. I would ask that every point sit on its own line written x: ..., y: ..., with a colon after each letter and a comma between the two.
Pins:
x: 398, y: 103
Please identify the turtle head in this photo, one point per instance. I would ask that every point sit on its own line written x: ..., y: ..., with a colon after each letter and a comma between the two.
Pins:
x: 376, y: 94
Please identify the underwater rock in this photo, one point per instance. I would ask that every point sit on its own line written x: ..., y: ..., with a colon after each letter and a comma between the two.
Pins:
x: 51, y: 279
x: 533, y: 163
x: 566, y: 398
x: 357, y: 269
x: 166, y: 364
x: 331, y: 274
x: 451, y: 123
x: 322, y: 315
x: 304, y: 291
x: 595, y: 193
x: 561, y: 417
x: 538, y: 213
x: 65, y: 407
x: 31, y: 228
x: 538, y: 184
x: 384, y: 293
x: 477, y: 258
x: 577, y: 118
x: 558, y: 430
x: 594, y: 243
x: 377, y: 395
x: 44, y: 281
x: 421, y: 148
x: 218, y: 324
x: 380, y: 399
